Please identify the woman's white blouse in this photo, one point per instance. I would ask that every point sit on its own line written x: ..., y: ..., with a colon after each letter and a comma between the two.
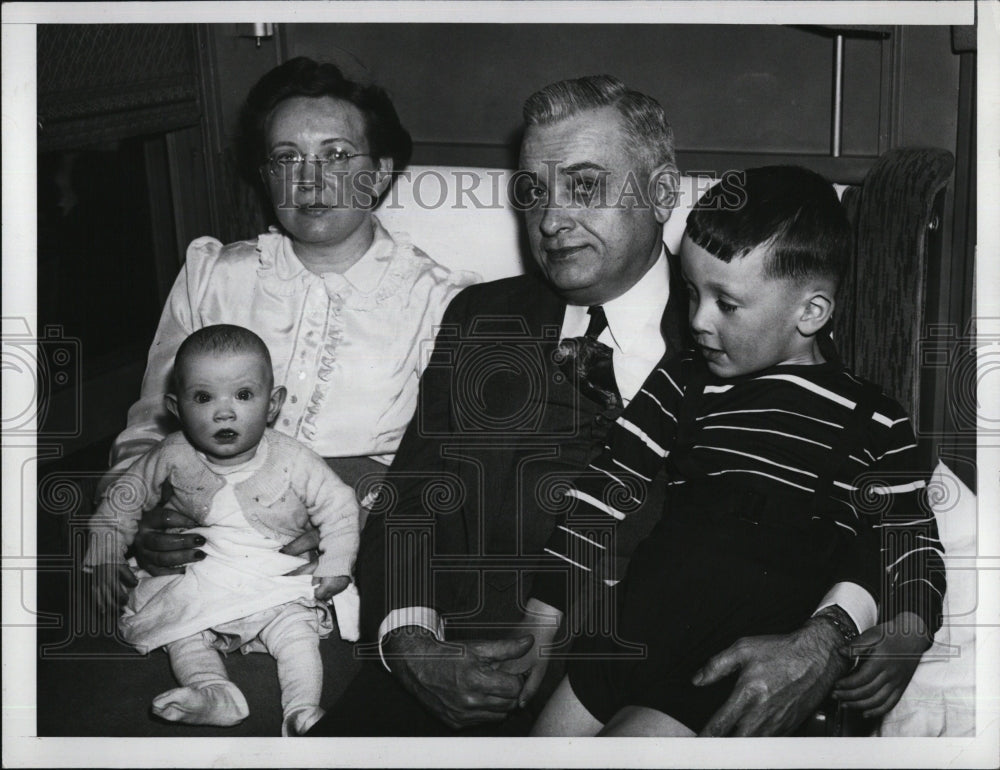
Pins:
x: 349, y: 347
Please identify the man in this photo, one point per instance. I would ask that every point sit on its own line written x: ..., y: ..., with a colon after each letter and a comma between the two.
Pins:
x: 506, y: 411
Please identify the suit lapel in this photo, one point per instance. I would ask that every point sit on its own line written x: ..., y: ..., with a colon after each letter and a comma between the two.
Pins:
x: 674, y: 325
x: 543, y: 308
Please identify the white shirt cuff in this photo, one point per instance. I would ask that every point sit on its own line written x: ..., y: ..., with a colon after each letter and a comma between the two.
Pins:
x: 855, y: 601
x: 424, y: 617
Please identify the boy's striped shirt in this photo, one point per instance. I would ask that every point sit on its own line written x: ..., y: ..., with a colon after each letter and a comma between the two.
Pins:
x: 773, y: 430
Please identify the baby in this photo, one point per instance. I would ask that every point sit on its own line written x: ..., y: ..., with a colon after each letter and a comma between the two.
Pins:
x: 786, y: 474
x: 253, y: 490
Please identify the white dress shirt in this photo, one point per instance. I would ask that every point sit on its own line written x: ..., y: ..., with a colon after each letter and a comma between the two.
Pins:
x: 633, y: 332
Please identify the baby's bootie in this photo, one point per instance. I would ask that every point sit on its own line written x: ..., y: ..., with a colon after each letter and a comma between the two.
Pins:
x: 220, y: 704
x: 300, y: 719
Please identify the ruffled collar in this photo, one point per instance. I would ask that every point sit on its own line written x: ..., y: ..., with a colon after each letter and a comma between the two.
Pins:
x: 383, y: 270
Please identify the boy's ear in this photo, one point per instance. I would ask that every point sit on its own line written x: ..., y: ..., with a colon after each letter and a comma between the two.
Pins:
x: 275, y: 403
x: 170, y: 401
x: 818, y: 309
x: 663, y: 184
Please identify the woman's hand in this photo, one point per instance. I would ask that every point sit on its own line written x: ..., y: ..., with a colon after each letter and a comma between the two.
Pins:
x: 889, y: 654
x: 165, y: 553
x: 109, y: 587
x: 307, y: 546
x: 328, y: 587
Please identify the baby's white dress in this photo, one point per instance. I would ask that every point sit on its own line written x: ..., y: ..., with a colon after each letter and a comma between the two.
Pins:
x: 228, y: 593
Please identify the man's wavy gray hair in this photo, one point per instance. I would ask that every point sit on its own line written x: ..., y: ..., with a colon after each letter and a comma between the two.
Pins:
x: 649, y: 133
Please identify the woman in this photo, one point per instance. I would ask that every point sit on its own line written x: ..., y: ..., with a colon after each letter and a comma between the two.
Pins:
x: 343, y: 306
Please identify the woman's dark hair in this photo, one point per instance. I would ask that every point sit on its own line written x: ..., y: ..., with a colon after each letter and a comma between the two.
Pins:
x: 303, y: 76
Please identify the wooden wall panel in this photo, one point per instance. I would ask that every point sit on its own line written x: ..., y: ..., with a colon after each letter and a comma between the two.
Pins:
x: 757, y: 90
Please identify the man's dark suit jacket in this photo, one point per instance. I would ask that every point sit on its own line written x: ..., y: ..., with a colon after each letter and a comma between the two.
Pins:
x: 497, y: 426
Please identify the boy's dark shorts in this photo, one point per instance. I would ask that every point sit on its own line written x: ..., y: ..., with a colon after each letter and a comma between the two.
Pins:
x: 710, y: 573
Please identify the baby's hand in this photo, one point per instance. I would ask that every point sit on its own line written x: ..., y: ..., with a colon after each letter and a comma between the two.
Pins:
x: 889, y: 654
x: 109, y: 587
x: 328, y: 587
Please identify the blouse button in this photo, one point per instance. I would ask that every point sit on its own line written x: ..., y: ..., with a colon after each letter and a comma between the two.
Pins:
x: 286, y: 421
x: 294, y: 400
x: 302, y: 375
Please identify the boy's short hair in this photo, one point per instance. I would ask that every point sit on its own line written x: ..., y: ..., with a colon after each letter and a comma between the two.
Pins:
x: 792, y: 209
x: 219, y: 339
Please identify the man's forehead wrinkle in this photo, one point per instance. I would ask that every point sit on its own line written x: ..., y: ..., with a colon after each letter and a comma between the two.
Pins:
x: 573, y: 168
x: 571, y: 158
x: 576, y: 146
x: 587, y: 136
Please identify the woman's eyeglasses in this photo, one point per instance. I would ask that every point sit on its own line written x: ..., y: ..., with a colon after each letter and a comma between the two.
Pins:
x: 284, y: 165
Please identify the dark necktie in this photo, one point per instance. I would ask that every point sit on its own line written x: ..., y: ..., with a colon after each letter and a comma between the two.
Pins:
x: 589, y: 362
x: 598, y: 322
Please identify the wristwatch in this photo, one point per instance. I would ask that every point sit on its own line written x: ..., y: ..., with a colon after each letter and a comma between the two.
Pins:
x: 841, y: 621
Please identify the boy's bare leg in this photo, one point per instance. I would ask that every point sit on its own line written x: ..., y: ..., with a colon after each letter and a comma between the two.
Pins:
x: 642, y: 722
x: 564, y: 715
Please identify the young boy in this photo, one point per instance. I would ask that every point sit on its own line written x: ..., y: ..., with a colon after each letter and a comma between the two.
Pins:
x: 786, y: 475
x: 253, y: 490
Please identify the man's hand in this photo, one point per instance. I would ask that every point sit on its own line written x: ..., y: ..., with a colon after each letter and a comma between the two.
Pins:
x: 541, y: 621
x: 462, y: 684
x: 165, y: 553
x: 889, y: 655
x: 782, y: 679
